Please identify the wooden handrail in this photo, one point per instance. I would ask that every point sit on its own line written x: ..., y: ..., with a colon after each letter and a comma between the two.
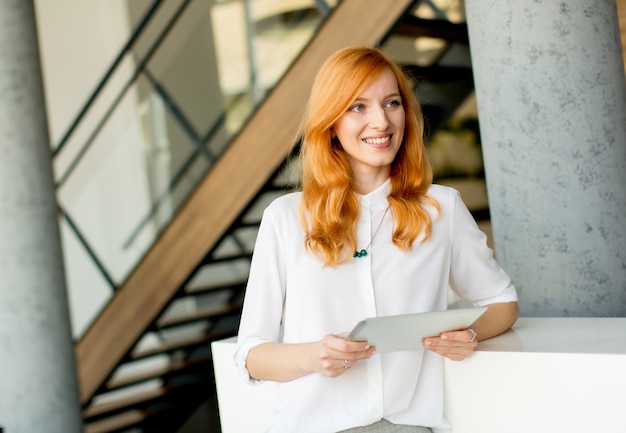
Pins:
x: 232, y: 183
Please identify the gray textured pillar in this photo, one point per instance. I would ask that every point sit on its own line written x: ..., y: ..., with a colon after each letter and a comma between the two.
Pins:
x: 552, y: 107
x: 38, y: 386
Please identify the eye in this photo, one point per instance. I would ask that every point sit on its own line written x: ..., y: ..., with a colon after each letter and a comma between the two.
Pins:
x: 393, y: 103
x: 357, y: 108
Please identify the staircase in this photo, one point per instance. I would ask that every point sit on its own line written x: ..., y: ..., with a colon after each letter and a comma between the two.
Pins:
x: 144, y: 364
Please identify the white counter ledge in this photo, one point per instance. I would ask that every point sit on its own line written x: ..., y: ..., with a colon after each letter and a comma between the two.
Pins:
x: 562, y: 335
x: 552, y: 375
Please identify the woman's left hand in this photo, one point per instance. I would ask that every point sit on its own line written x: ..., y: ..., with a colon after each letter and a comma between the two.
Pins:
x: 455, y: 345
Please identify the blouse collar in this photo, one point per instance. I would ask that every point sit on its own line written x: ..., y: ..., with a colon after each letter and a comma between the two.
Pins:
x: 378, y: 196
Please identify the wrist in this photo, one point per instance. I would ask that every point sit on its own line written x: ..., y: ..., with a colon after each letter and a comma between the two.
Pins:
x: 473, y: 333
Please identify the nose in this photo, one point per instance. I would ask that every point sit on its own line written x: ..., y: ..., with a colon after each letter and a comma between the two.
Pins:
x: 378, y: 118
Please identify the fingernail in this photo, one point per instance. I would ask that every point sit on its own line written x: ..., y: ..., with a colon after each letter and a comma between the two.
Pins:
x: 427, y: 343
x: 444, y: 337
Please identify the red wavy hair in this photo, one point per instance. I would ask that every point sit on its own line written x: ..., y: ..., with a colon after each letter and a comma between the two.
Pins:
x: 330, y: 209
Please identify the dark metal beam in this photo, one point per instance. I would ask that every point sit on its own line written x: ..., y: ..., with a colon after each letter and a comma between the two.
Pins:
x: 413, y: 26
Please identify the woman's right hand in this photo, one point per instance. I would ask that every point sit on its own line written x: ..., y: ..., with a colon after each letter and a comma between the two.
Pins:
x: 332, y: 356
x: 335, y: 354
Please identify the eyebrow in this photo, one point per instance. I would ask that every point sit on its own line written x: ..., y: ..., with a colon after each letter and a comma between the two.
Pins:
x: 391, y: 95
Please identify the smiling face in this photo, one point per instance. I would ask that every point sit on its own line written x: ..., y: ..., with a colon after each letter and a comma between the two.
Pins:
x: 371, y: 131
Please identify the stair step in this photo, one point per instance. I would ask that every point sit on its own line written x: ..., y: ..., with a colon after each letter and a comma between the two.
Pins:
x: 228, y: 258
x: 115, y: 405
x: 175, y: 366
x: 236, y: 286
x: 183, y: 343
x: 440, y: 74
x: 207, y: 313
x: 116, y: 422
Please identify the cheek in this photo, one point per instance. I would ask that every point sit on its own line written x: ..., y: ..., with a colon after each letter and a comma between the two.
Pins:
x: 399, y: 121
x: 346, y: 131
x: 399, y: 127
x: 401, y: 136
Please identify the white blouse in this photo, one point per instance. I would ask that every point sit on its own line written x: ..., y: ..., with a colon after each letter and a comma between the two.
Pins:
x: 292, y: 297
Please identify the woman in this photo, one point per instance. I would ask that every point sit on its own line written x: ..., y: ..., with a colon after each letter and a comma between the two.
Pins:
x: 369, y: 235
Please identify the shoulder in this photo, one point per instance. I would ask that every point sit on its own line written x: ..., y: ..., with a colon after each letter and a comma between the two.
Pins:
x: 285, y: 206
x: 445, y: 195
x: 286, y: 202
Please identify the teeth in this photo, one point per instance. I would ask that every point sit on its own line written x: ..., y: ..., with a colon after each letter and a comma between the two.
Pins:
x: 377, y: 140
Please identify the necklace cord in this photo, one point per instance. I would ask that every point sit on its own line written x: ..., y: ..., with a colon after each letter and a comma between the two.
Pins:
x: 357, y: 254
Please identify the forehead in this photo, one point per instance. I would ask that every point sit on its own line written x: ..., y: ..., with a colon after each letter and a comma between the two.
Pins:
x: 383, y: 85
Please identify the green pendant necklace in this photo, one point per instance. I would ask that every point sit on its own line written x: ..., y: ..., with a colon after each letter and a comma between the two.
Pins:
x: 363, y: 252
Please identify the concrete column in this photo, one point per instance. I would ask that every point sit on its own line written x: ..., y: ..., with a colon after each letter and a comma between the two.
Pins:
x: 38, y: 385
x: 552, y: 107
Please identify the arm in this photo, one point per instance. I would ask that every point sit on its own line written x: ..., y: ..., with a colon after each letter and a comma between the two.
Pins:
x: 477, y: 277
x: 281, y: 362
x: 497, y: 319
x: 457, y: 345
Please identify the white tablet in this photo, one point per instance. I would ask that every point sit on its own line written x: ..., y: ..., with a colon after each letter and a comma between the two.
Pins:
x: 406, y: 331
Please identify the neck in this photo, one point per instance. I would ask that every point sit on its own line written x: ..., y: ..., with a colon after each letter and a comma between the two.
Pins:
x: 365, y: 184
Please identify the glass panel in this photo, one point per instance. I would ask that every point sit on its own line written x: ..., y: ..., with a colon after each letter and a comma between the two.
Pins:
x: 185, y: 67
x: 78, y: 42
x: 119, y: 80
x: 84, y: 132
x: 167, y: 113
x: 123, y: 178
x: 256, y: 41
x: 81, y: 273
